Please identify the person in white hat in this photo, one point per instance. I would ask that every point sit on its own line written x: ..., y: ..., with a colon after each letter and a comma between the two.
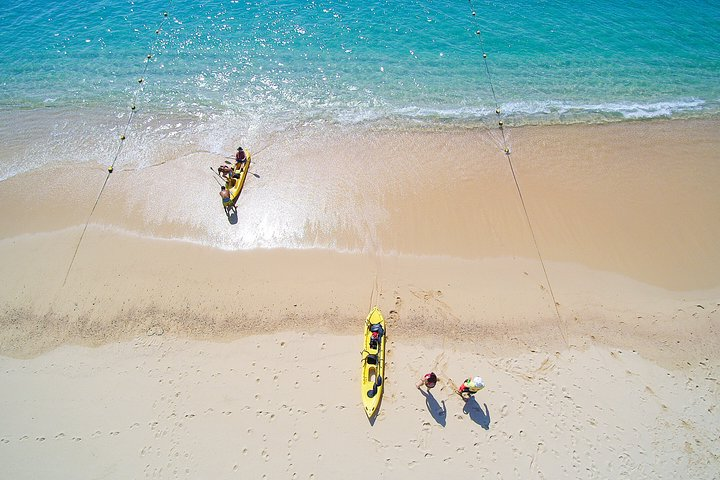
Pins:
x: 470, y: 387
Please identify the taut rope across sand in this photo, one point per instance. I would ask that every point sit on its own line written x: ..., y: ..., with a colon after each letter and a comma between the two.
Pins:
x: 506, y: 149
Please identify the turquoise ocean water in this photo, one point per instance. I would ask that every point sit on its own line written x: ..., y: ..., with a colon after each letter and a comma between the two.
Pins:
x: 276, y: 65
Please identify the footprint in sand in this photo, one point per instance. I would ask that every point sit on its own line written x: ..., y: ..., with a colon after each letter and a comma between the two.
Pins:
x: 155, y: 331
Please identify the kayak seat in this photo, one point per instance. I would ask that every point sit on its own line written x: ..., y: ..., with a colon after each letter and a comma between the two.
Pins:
x: 372, y: 359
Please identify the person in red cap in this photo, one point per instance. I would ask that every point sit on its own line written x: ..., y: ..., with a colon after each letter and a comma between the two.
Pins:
x: 429, y: 380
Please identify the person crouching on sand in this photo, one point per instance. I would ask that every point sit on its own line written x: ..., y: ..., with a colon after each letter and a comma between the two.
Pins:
x: 470, y: 387
x: 429, y: 380
x: 225, y: 171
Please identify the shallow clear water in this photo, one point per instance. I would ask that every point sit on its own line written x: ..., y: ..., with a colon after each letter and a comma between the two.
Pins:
x: 366, y: 61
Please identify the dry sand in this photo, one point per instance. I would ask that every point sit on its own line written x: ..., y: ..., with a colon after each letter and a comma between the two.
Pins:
x: 288, y: 406
x: 211, y: 363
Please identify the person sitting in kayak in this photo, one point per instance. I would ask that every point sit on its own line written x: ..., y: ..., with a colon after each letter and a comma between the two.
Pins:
x: 240, y: 159
x: 226, y: 199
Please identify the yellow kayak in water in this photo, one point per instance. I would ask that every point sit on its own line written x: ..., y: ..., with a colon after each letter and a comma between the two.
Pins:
x: 235, y: 183
x: 373, y: 362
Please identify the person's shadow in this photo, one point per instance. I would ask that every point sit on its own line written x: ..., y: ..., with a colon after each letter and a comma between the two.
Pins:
x: 438, y: 413
x: 477, y: 414
x: 233, y: 216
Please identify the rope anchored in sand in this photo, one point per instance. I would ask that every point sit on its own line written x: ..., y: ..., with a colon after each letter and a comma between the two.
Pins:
x: 122, y: 139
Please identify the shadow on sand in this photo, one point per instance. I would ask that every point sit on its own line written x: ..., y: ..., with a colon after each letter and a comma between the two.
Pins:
x: 477, y: 414
x: 233, y: 216
x: 439, y: 413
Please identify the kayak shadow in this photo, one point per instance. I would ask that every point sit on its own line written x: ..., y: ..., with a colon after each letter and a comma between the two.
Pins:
x: 373, y: 419
x: 439, y: 413
x: 477, y: 414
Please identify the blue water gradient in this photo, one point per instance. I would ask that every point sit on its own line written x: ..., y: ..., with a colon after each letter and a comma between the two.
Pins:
x: 366, y: 61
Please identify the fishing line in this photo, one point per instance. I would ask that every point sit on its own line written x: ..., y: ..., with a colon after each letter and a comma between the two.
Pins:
x: 506, y: 149
x: 123, y: 136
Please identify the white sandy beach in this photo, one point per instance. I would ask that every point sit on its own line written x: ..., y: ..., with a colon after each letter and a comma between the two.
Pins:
x: 288, y: 406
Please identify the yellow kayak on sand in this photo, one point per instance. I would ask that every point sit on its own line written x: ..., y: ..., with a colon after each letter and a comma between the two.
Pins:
x: 235, y: 185
x: 373, y: 362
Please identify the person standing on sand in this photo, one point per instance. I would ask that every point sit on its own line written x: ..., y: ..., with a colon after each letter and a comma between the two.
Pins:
x: 470, y: 387
x: 429, y: 380
x: 226, y: 199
